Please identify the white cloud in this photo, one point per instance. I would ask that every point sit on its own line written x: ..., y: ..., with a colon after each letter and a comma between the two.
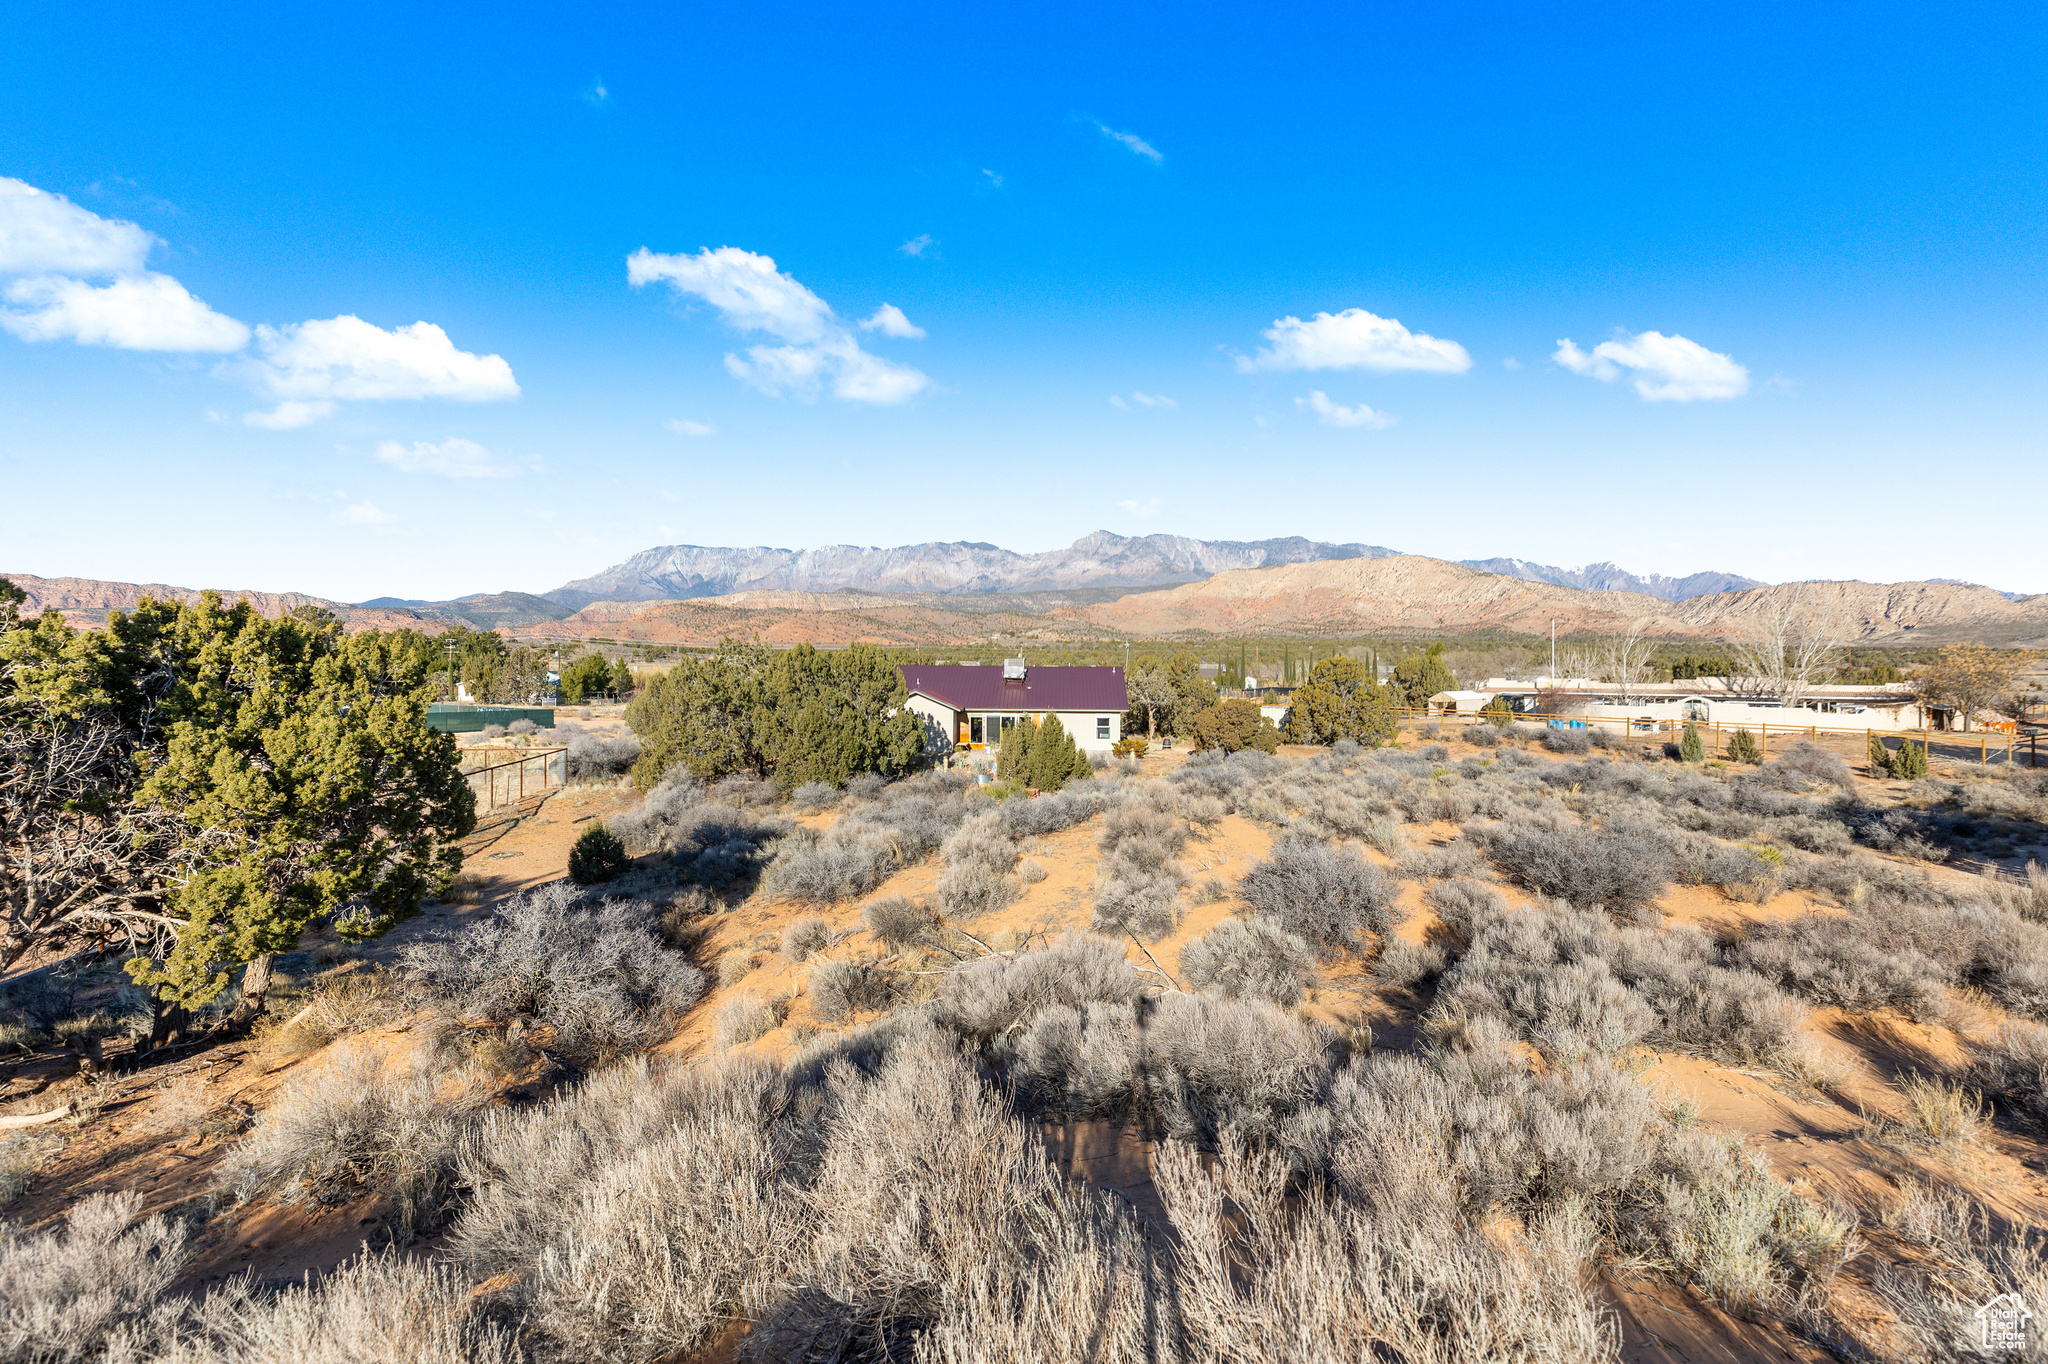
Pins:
x: 890, y: 321
x: 1511, y: 364
x: 918, y: 245
x: 364, y: 514
x: 289, y: 415
x: 752, y: 295
x: 1665, y: 369
x: 43, y: 233
x: 995, y: 180
x: 451, y: 458
x: 134, y: 312
x: 683, y: 427
x: 345, y: 359
x: 1145, y: 510
x: 1354, y: 339
x: 1336, y: 414
x: 1131, y: 140
x: 1143, y: 400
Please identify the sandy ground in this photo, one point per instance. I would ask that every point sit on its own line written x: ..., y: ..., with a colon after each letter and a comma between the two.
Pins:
x: 1819, y: 1143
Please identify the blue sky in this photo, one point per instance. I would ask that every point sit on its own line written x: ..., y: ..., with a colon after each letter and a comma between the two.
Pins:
x: 1323, y: 260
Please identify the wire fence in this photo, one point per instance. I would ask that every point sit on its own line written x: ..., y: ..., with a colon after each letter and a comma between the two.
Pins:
x: 1987, y: 747
x: 508, y: 783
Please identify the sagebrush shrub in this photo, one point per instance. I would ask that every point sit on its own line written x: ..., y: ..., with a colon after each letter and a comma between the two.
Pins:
x: 353, y: 1126
x: 1249, y: 959
x: 602, y: 977
x: 67, y: 1291
x: 1567, y: 741
x: 977, y: 857
x: 990, y: 996
x: 858, y: 985
x: 1620, y: 869
x: 1329, y: 896
x: 742, y: 1019
x: 597, y: 756
x: 2013, y: 1065
x: 1403, y: 965
x: 814, y: 795
x: 901, y: 923
x: 802, y: 938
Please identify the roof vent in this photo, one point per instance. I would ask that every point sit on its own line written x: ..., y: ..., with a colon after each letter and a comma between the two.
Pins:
x: 1013, y: 670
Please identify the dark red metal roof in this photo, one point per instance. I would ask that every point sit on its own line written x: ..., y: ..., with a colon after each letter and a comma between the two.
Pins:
x: 965, y: 686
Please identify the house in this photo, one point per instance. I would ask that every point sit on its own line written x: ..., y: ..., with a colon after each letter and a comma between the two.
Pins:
x: 973, y: 704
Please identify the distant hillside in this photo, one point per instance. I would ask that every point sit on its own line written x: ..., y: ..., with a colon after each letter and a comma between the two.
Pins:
x: 1421, y: 596
x: 86, y: 601
x: 1613, y: 578
x: 481, y: 610
x: 681, y: 572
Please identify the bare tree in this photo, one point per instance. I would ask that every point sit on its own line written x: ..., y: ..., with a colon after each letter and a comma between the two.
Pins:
x: 1789, y: 641
x: 1152, y: 692
x: 78, y: 866
x: 1624, y: 659
x: 1970, y: 678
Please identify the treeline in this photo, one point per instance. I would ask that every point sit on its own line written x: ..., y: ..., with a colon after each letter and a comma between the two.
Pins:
x: 795, y: 715
x: 195, y: 785
x: 493, y: 672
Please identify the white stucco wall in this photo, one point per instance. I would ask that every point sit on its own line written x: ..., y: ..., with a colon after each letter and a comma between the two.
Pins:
x: 1887, y: 719
x: 1081, y: 724
x: 941, y: 723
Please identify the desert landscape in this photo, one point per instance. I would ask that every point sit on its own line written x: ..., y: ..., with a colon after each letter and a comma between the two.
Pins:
x: 1330, y: 684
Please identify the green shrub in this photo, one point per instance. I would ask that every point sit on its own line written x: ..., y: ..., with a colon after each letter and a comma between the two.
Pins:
x: 1743, y: 747
x: 1880, y: 758
x: 1690, y: 748
x: 1910, y: 762
x: 1501, y: 715
x: 1233, y: 726
x: 597, y: 856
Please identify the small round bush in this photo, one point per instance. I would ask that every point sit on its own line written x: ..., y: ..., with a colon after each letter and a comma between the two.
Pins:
x: 900, y: 923
x: 1031, y: 871
x: 838, y: 988
x: 806, y: 937
x: 814, y: 795
x: 1328, y: 896
x: 597, y: 856
x: 1482, y: 736
x: 1567, y: 741
x: 1250, y: 959
x: 523, y: 727
x: 1743, y: 747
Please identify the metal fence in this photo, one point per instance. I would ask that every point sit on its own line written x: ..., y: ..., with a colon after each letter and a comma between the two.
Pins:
x: 507, y: 783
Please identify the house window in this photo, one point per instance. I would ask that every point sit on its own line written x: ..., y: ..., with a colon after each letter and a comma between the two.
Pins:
x: 1102, y: 726
x: 974, y: 730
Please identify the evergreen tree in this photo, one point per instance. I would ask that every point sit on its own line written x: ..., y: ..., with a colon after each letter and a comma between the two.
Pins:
x: 1013, y: 759
x: 1419, y: 677
x: 1339, y: 701
x: 1743, y: 747
x: 597, y: 856
x: 1053, y: 755
x: 1880, y: 757
x: 1910, y: 763
x: 587, y: 678
x: 1498, y: 713
x: 1691, y: 748
x: 1234, y: 725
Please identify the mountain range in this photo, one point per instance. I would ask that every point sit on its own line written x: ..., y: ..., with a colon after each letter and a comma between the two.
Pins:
x: 1098, y: 561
